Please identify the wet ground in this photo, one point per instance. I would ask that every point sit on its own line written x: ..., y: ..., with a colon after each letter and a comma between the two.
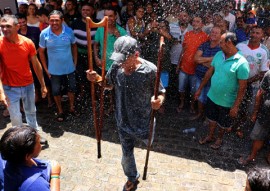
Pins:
x: 177, y: 161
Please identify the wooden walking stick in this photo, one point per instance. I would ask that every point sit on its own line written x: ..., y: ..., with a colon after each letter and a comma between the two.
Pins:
x: 97, y: 123
x: 157, y: 82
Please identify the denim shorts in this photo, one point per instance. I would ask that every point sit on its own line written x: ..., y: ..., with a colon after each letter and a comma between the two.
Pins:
x: 203, y: 96
x: 218, y: 114
x: 68, y: 81
x: 259, y: 132
x: 186, y: 80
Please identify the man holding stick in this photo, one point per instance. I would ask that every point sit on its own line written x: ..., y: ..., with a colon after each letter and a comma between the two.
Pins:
x: 133, y: 79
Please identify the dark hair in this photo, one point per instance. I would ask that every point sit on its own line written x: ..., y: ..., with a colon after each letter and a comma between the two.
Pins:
x: 56, y: 12
x: 74, y: 2
x: 258, y: 179
x: 35, y: 6
x: 16, y: 143
x: 7, y: 9
x: 239, y: 18
x: 43, y: 11
x: 257, y: 27
x: 49, y: 7
x: 21, y: 16
x: 167, y: 24
x: 24, y: 5
x: 111, y: 8
x: 88, y: 4
x: 230, y: 36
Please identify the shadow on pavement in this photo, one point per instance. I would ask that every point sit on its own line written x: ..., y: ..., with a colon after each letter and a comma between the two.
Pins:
x: 169, y: 136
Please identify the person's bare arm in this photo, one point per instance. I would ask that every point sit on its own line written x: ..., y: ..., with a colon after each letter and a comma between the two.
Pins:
x: 55, y: 176
x: 43, y: 60
x: 165, y: 33
x: 74, y: 50
x: 94, y: 77
x: 206, y: 78
x: 257, y: 104
x: 2, y: 94
x: 96, y: 51
x: 239, y: 98
x: 257, y: 77
x: 131, y: 23
x: 39, y: 73
x: 156, y: 103
x: 199, y: 59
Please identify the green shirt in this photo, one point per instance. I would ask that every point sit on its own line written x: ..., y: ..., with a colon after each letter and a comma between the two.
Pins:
x: 99, y: 38
x: 224, y: 82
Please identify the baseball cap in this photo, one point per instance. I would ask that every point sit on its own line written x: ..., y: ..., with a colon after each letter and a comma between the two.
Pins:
x: 123, y: 47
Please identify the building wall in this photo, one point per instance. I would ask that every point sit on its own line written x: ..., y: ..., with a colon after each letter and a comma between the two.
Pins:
x: 9, y: 3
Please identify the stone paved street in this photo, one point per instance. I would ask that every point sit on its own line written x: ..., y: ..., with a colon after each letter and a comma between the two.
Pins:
x: 177, y: 161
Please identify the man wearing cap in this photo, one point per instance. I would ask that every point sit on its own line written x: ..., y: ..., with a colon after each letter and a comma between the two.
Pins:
x: 133, y: 79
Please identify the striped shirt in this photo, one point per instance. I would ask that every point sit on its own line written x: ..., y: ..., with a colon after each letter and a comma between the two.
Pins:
x: 207, y: 52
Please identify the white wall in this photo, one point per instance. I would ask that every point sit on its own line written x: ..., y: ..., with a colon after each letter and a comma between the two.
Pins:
x: 8, y: 3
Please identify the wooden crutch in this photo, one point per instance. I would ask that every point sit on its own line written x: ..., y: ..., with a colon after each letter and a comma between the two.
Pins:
x: 97, y: 123
x: 157, y: 82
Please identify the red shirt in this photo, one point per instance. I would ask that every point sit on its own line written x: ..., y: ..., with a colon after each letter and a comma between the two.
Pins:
x: 14, y: 61
x: 191, y: 43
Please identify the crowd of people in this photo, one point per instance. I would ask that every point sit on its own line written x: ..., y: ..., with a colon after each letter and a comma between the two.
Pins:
x: 215, y: 63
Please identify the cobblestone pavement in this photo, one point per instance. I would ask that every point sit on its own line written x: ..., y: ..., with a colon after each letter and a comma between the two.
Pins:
x: 177, y: 161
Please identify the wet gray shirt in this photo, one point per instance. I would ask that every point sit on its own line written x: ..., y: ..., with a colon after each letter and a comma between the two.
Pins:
x: 263, y: 115
x: 133, y: 97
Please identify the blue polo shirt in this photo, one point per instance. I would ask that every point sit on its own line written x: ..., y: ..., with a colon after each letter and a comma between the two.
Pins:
x: 224, y: 82
x: 60, y: 59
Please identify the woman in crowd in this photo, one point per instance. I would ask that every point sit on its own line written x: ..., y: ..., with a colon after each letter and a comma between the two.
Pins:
x: 20, y: 146
x: 32, y: 19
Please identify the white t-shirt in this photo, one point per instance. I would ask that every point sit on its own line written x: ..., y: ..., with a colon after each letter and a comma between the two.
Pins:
x: 176, y: 33
x: 257, y: 58
x: 231, y: 19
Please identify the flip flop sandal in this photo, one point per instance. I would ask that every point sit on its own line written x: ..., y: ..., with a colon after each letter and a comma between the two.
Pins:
x: 206, y: 140
x: 217, y: 144
x: 245, y: 161
x: 179, y: 109
x: 60, y: 117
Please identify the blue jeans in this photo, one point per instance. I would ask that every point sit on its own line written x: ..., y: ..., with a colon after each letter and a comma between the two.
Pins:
x: 128, y: 160
x: 205, y: 90
x: 186, y: 80
x: 27, y: 95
